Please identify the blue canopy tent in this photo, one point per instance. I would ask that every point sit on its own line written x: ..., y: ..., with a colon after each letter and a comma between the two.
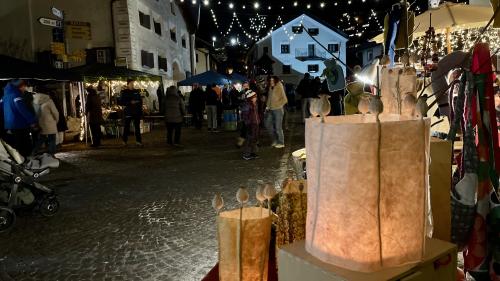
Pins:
x: 205, y: 79
x: 237, y: 78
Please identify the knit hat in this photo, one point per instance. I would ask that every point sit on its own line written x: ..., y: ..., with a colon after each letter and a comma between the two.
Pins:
x: 249, y: 94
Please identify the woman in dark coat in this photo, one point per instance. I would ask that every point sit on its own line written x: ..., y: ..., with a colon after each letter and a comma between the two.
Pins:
x: 174, y: 115
x: 94, y: 116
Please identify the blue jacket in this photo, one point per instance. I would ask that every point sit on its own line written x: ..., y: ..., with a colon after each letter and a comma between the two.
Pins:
x: 15, y: 112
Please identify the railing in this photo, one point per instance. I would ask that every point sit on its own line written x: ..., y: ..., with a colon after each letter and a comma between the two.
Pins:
x: 305, y: 54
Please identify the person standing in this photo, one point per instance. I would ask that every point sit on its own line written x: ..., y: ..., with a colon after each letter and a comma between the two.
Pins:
x: 276, y: 101
x: 94, y: 116
x: 212, y: 102
x: 131, y: 100
x: 48, y: 116
x: 304, y: 90
x: 241, y: 102
x: 197, y: 105
x: 250, y: 116
x: 18, y: 119
x: 174, y: 116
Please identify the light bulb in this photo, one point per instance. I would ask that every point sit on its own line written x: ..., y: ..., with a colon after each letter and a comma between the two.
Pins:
x: 231, y: 6
x: 256, y: 5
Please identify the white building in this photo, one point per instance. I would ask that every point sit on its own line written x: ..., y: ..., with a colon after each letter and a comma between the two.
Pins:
x: 153, y: 36
x: 365, y: 54
x: 294, y: 52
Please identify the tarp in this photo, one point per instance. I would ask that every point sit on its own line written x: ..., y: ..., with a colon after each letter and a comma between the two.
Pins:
x: 237, y: 78
x: 205, y: 79
x: 96, y: 72
x: 12, y: 68
x: 449, y: 15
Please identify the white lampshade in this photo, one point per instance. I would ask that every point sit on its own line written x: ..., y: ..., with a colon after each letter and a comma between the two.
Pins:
x: 367, y: 190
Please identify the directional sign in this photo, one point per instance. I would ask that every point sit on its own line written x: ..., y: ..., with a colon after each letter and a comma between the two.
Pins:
x: 58, y: 13
x: 50, y: 22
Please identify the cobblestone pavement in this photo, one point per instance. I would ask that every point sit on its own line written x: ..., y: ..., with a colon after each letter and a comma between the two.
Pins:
x: 137, y: 214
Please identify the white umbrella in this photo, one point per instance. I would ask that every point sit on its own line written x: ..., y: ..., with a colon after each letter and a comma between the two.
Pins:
x: 449, y: 16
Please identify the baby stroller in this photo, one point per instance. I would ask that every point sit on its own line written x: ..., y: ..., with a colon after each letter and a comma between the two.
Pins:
x: 19, y: 189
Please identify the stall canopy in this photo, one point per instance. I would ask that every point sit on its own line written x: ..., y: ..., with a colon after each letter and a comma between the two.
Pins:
x: 12, y: 68
x: 447, y: 17
x: 237, y: 78
x: 96, y: 72
x: 205, y: 79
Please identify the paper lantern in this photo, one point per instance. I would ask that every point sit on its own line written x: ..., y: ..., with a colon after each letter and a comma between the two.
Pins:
x: 244, y: 244
x: 367, y: 190
x: 292, y: 213
x: 395, y: 85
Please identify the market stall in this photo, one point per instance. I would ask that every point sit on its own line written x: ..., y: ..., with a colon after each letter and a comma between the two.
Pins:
x: 109, y: 80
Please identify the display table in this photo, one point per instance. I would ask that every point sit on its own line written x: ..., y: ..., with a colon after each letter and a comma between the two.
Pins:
x: 439, y: 264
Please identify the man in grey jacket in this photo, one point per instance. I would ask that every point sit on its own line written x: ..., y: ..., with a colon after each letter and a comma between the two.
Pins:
x: 174, y: 116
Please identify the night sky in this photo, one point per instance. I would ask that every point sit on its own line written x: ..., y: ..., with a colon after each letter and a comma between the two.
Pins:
x: 360, y: 19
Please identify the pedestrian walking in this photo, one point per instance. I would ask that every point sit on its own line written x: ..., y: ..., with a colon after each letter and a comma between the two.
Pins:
x: 174, y: 116
x: 131, y: 100
x: 197, y: 105
x: 274, y: 112
x: 18, y: 119
x: 250, y: 116
x: 304, y: 90
x: 212, y: 102
x: 48, y: 116
x: 94, y: 116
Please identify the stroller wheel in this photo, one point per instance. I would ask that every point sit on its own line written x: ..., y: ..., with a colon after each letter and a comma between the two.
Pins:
x: 49, y: 206
x: 7, y: 218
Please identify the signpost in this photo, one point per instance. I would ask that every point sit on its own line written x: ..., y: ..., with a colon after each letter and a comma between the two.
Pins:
x: 50, y: 22
x: 58, y: 13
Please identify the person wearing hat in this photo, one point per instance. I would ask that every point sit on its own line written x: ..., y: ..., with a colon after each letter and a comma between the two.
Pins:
x: 250, y: 116
x: 19, y: 120
x: 131, y: 100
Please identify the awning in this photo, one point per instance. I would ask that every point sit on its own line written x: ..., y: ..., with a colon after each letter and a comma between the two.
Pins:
x: 96, y: 72
x: 205, y: 79
x: 12, y: 68
x: 237, y: 78
x: 448, y: 15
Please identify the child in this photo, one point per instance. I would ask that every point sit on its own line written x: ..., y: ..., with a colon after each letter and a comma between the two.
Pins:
x: 250, y: 116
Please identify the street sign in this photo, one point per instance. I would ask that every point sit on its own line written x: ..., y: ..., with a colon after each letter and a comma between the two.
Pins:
x: 78, y: 30
x: 57, y: 48
x: 58, y: 13
x: 50, y: 22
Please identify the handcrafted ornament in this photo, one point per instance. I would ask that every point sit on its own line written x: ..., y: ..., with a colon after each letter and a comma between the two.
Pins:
x: 292, y: 213
x: 364, y: 105
x: 244, y: 235
x: 360, y: 210
x: 355, y: 93
x: 421, y: 107
x: 217, y: 202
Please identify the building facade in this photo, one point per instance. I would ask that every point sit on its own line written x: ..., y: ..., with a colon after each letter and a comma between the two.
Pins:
x: 294, y: 52
x: 364, y: 54
x: 146, y: 35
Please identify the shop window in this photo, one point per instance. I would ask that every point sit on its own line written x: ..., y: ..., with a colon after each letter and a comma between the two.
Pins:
x: 162, y: 63
x: 183, y: 41
x: 287, y: 69
x: 145, y: 20
x: 147, y: 59
x: 285, y: 48
x: 157, y: 26
x: 173, y: 35
x: 333, y: 48
x: 313, y: 68
x: 314, y: 31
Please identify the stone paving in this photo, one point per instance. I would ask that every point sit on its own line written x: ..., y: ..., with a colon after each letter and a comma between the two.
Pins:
x: 137, y: 214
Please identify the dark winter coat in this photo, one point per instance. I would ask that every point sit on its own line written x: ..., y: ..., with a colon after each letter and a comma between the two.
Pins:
x: 94, y: 109
x: 304, y: 88
x: 212, y: 97
x: 197, y: 100
x: 17, y: 114
x: 174, y: 106
x: 250, y: 113
x: 126, y: 99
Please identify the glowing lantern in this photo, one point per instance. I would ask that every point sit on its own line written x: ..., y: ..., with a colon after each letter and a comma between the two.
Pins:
x: 244, y: 244
x: 367, y: 190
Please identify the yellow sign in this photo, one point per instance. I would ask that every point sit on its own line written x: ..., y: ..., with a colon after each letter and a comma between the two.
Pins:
x: 57, y: 48
x: 78, y: 30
